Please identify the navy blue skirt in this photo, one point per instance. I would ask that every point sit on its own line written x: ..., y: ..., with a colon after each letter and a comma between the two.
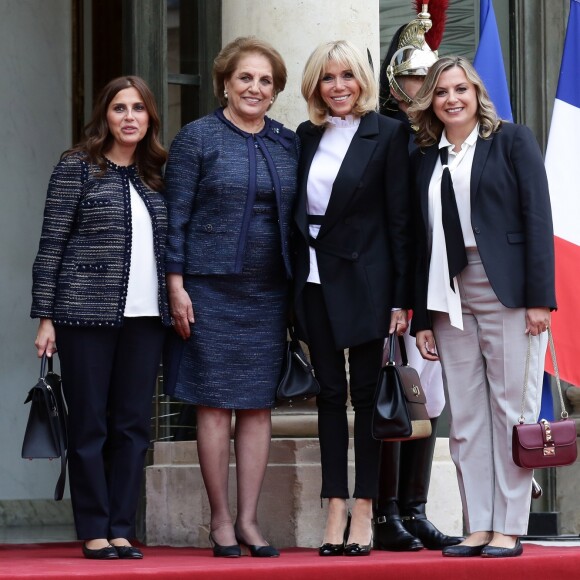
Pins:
x: 234, y: 356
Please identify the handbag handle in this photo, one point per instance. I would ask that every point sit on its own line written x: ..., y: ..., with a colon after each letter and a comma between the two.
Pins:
x: 563, y: 412
x: 44, y: 362
x: 292, y: 333
x: 393, y: 349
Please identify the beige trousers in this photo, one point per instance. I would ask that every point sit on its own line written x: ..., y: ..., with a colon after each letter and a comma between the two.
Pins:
x: 484, y: 368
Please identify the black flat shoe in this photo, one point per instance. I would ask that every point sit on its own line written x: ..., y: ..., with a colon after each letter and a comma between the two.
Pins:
x: 128, y: 552
x: 233, y: 551
x: 106, y: 553
x: 266, y: 551
x: 463, y: 551
x: 420, y: 527
x: 497, y: 552
x: 391, y: 535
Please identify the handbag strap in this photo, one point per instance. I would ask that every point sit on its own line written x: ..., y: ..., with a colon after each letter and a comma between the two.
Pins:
x: 393, y: 349
x: 46, y: 361
x: 292, y: 333
x: 563, y: 412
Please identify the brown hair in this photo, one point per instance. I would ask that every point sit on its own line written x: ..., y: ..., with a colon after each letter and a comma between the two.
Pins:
x: 429, y: 128
x: 345, y: 53
x: 227, y: 60
x: 149, y: 154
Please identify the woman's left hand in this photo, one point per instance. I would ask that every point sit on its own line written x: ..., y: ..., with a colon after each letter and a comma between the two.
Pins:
x: 400, y: 321
x: 537, y: 320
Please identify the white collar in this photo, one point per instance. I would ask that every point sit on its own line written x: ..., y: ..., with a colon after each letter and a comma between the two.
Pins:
x: 348, y: 121
x: 469, y: 142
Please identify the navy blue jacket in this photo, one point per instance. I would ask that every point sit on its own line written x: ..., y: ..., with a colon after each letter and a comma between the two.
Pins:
x: 209, y: 182
x: 510, y: 216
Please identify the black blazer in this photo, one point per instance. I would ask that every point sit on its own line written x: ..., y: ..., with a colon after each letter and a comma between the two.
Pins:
x: 510, y: 216
x: 365, y: 245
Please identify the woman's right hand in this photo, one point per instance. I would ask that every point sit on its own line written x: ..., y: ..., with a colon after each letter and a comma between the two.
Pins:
x: 45, y: 341
x: 426, y: 345
x: 180, y: 306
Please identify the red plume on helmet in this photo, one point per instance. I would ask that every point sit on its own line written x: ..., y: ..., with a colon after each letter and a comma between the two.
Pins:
x: 437, y: 9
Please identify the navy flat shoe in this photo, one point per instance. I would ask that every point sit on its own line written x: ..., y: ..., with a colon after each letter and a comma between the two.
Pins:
x: 497, y: 552
x: 463, y: 551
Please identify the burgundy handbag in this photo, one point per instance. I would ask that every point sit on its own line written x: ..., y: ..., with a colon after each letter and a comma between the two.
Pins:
x: 544, y: 444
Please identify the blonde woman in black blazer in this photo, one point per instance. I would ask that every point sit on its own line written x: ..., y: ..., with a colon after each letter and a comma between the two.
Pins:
x: 353, y: 250
x: 479, y: 329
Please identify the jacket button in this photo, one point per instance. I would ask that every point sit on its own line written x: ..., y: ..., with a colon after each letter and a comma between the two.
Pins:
x: 476, y: 230
x: 208, y: 228
x: 355, y: 255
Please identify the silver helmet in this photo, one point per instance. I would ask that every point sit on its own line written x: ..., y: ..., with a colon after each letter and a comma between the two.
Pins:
x: 413, y: 56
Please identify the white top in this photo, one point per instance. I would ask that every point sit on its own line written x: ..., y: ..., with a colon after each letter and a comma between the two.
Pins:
x: 142, y: 290
x: 440, y: 296
x: 323, y: 171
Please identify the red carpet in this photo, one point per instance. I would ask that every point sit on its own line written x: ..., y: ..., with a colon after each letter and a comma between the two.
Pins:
x: 51, y: 561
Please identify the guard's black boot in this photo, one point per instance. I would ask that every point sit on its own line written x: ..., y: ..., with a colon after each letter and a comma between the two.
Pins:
x: 416, y: 463
x: 390, y: 534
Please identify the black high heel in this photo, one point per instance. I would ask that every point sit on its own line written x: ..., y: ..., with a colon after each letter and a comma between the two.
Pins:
x: 266, y: 551
x: 233, y: 551
x: 358, y: 549
x: 329, y: 549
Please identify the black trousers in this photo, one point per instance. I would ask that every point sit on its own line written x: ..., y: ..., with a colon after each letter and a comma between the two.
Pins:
x: 108, y: 378
x: 329, y: 363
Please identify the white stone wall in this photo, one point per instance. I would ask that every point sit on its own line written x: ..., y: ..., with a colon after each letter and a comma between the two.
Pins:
x: 295, y: 28
x: 35, y: 127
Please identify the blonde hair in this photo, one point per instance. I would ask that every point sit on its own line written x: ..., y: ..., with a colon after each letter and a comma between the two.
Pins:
x: 227, y: 60
x: 345, y: 53
x: 427, y: 124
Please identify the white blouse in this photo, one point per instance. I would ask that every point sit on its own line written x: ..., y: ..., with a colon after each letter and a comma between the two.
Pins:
x: 440, y: 296
x: 142, y: 289
x: 325, y: 166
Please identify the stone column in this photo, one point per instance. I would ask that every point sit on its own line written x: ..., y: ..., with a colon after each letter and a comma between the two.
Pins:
x: 295, y: 28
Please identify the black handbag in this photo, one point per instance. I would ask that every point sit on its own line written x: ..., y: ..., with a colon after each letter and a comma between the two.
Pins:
x: 297, y: 381
x: 46, y: 436
x: 399, y: 412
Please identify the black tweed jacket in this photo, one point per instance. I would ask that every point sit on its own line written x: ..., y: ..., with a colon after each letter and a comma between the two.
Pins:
x: 81, y: 271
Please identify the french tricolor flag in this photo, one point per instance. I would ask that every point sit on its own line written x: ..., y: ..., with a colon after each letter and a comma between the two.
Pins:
x: 563, y: 168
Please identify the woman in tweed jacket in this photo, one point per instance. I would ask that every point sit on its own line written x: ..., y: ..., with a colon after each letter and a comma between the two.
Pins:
x: 99, y: 291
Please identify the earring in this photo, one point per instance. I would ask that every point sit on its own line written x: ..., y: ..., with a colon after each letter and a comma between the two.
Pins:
x: 225, y: 94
